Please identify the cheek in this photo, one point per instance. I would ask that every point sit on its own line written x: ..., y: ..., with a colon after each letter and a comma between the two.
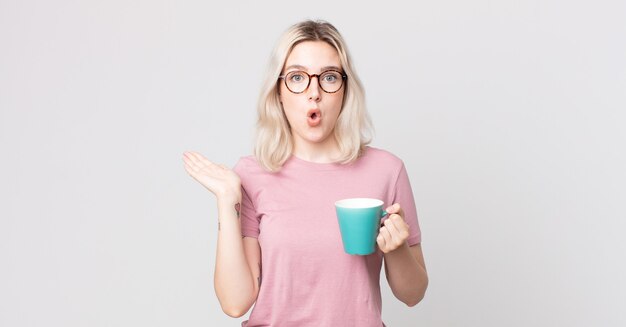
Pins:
x: 289, y: 103
x: 290, y: 107
x: 338, y: 103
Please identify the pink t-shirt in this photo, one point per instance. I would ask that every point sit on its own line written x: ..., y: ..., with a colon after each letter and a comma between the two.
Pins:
x: 307, y: 278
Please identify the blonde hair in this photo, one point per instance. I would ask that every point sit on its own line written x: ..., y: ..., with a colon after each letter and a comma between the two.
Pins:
x: 353, y: 129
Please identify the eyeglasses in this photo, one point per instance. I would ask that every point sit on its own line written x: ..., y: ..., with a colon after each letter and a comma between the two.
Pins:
x: 330, y: 81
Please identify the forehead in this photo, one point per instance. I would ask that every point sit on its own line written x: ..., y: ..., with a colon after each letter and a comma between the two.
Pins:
x: 313, y: 55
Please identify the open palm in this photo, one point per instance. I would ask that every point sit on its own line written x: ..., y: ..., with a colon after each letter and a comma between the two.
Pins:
x: 218, y: 179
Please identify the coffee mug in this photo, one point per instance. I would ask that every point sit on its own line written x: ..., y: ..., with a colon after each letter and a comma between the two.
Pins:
x: 359, y: 220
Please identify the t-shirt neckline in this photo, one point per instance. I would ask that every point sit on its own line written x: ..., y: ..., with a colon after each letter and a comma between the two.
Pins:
x: 295, y: 161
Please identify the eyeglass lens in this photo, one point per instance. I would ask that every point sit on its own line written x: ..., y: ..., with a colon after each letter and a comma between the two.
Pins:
x: 298, y: 81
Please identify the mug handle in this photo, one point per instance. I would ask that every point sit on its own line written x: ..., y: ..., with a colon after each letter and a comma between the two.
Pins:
x: 382, y: 215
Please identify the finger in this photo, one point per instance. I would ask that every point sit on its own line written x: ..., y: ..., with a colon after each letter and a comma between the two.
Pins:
x: 191, y: 169
x: 395, y: 208
x: 392, y: 208
x: 186, y: 155
x: 192, y: 159
x: 386, y: 235
x: 194, y: 165
x: 195, y: 170
x: 381, y: 243
x: 203, y: 162
x: 187, y: 158
x: 188, y: 162
x: 190, y: 154
x: 391, y: 226
x: 400, y: 210
x: 398, y: 228
x: 197, y: 155
x: 398, y: 221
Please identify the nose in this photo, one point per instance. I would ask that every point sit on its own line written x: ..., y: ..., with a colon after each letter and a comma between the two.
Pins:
x: 314, y: 89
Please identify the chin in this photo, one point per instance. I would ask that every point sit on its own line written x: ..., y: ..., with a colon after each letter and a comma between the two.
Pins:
x: 318, y: 140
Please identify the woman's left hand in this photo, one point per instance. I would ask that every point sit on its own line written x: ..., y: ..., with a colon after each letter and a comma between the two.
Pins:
x: 394, y: 232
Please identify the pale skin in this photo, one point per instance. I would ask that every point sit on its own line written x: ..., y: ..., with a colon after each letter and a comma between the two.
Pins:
x: 238, y: 261
x: 237, y: 275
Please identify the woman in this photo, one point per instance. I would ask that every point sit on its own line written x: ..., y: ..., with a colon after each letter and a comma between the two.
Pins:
x: 278, y: 241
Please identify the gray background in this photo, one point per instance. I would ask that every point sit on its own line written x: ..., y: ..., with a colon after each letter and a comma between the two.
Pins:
x: 508, y: 114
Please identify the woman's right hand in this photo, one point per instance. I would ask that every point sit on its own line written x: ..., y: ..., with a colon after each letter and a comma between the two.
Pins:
x: 219, y: 179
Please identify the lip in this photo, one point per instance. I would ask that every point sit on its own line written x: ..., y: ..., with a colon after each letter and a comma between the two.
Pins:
x: 314, y: 121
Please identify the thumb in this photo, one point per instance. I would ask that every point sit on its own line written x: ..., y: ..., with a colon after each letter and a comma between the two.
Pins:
x: 393, y: 208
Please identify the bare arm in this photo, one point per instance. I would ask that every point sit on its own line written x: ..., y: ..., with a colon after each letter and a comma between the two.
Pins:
x: 406, y: 273
x: 238, y: 260
x: 404, y: 266
x: 237, y: 263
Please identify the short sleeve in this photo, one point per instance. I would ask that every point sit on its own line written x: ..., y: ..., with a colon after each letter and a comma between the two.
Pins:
x: 249, y: 220
x: 248, y: 215
x: 403, y: 194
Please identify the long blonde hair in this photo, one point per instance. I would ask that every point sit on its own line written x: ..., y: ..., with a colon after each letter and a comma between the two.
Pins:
x: 353, y: 129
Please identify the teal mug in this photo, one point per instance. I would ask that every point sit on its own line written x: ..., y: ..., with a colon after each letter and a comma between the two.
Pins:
x: 359, y: 221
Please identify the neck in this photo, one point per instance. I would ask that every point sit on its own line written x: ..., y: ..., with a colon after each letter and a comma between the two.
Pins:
x: 324, y: 152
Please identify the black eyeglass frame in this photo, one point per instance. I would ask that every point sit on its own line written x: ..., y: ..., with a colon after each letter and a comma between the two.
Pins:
x: 344, y: 77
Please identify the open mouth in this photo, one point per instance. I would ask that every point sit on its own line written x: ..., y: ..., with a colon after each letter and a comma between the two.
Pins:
x: 314, y: 117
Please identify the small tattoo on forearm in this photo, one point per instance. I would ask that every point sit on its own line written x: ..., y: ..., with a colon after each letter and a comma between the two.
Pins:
x: 238, y: 209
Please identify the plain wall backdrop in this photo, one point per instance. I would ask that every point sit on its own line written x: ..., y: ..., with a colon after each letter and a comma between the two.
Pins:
x: 509, y: 116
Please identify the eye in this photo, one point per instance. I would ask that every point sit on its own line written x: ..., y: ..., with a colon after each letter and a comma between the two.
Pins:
x: 297, y: 77
x: 330, y: 77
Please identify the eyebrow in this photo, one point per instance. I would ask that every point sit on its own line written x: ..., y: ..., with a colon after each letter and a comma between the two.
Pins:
x: 304, y: 68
